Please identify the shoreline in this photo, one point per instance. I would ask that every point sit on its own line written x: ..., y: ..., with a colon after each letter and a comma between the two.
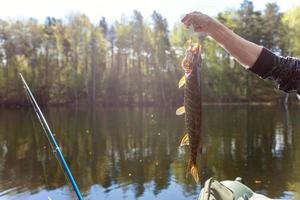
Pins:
x: 79, y: 105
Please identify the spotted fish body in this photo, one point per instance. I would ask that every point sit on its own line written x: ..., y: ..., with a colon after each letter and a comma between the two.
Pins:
x: 192, y: 107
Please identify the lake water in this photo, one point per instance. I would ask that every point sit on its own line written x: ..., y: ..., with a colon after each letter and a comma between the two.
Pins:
x: 133, y: 153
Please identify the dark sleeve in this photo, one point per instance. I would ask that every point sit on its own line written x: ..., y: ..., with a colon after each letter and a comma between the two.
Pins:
x: 285, y: 71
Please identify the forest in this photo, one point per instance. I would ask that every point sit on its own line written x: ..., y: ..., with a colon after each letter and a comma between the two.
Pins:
x: 134, y: 61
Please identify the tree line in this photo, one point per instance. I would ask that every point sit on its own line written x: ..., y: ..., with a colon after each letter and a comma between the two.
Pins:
x: 134, y: 61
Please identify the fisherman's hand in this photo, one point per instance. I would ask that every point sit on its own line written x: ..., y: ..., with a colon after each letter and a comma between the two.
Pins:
x: 199, y: 21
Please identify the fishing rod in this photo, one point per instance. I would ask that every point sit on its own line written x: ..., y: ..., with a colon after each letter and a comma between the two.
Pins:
x: 51, y: 138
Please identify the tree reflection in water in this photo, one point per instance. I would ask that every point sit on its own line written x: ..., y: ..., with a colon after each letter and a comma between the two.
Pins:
x: 133, y: 153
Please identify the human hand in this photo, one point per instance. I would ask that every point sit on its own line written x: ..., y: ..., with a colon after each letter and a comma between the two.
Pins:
x: 199, y: 21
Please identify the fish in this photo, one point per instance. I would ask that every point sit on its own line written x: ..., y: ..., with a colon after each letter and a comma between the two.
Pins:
x: 191, y: 65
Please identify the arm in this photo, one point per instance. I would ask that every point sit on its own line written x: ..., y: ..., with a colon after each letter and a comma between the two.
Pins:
x: 285, y: 71
x: 244, y: 51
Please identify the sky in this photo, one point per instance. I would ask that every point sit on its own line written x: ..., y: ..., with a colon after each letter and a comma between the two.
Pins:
x: 112, y: 10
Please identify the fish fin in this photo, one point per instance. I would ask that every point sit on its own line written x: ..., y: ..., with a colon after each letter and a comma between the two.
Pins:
x: 193, y: 170
x: 180, y: 111
x: 185, y: 141
x: 181, y: 82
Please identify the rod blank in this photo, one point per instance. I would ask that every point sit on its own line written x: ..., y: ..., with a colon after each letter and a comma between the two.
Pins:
x: 51, y: 138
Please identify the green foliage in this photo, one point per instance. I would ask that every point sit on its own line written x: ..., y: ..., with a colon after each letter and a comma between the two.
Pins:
x: 291, y: 26
x: 133, y: 61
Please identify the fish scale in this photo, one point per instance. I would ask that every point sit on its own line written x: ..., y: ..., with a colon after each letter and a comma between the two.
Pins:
x: 192, y: 108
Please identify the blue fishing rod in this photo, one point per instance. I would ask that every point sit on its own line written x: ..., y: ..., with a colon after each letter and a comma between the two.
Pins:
x: 51, y: 138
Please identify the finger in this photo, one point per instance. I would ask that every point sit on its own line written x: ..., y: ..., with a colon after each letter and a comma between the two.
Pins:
x: 186, y: 17
x: 198, y: 28
x: 197, y: 13
x: 187, y: 22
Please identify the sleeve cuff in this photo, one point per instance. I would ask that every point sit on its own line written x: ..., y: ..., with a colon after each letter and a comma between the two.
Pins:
x: 264, y: 63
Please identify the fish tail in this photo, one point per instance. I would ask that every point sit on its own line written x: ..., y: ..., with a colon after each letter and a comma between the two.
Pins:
x: 193, y: 170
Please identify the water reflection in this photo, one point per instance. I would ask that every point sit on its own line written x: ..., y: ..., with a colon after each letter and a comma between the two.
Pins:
x: 133, y: 153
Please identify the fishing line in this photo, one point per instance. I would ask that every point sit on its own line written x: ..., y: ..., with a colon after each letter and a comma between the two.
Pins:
x: 39, y: 145
x: 51, y: 139
x: 42, y: 153
x: 52, y: 147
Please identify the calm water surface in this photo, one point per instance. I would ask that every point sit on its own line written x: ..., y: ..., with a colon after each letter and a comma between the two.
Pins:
x: 134, y: 154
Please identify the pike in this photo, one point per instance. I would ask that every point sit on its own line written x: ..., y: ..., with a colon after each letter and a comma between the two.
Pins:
x: 192, y: 106
x: 51, y: 138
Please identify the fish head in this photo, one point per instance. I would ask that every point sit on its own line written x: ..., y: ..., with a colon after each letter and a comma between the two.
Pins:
x: 192, y: 60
